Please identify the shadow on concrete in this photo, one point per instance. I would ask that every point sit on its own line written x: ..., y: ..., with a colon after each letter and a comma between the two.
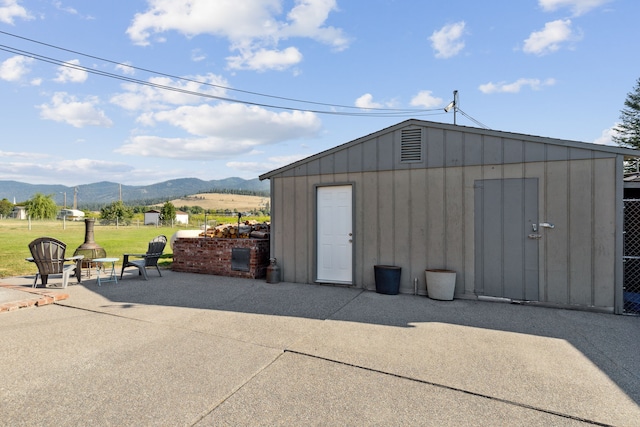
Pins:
x: 609, y: 341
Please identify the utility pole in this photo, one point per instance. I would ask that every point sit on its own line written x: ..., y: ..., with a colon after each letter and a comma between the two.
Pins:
x: 453, y: 104
x: 75, y: 198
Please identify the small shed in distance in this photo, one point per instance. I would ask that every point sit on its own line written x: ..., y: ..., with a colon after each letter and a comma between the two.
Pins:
x: 152, y: 217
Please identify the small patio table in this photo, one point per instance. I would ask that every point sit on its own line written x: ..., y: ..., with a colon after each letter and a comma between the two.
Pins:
x: 112, y: 277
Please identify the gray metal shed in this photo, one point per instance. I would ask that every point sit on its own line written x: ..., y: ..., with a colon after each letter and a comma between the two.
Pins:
x: 518, y: 217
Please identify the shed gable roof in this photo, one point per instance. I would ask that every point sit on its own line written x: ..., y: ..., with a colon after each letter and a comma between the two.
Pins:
x: 445, y: 145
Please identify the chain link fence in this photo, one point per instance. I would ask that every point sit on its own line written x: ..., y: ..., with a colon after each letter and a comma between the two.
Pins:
x: 631, y: 256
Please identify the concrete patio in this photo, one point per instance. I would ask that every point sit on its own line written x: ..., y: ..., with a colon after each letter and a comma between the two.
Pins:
x: 198, y: 350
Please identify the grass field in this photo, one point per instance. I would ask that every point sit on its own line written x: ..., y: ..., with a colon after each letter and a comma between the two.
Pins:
x: 15, y: 236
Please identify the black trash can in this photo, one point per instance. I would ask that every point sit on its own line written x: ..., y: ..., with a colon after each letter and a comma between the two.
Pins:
x: 387, y: 279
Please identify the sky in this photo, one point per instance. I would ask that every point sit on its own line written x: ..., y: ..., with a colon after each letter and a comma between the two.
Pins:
x: 143, y: 91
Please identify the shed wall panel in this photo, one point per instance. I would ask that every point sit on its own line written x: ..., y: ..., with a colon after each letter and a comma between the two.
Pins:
x: 370, y: 237
x: 418, y: 227
x: 341, y: 161
x: 557, y: 240
x: 303, y: 208
x: 288, y: 212
x: 327, y: 164
x: 369, y: 156
x: 454, y: 154
x: 454, y: 205
x: 435, y: 148
x: 534, y: 152
x: 513, y: 151
x: 579, y: 154
x: 435, y: 218
x: 472, y: 149
x: 580, y: 232
x: 604, y: 234
x: 358, y: 230
x: 386, y: 211
x: 355, y: 158
x: 313, y: 167
x: 555, y: 153
x: 471, y: 175
x: 386, y: 150
x: 399, y: 225
x: 492, y: 150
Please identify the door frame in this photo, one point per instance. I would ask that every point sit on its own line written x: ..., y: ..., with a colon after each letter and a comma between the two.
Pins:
x: 353, y: 232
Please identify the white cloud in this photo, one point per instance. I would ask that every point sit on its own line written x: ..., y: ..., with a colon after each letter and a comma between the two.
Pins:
x: 606, y: 137
x: 71, y: 73
x: 66, y: 171
x: 22, y: 154
x: 197, y: 55
x: 447, y: 41
x: 515, y: 87
x: 10, y: 9
x: 142, y: 98
x: 366, y: 101
x: 254, y: 30
x: 578, y: 7
x: 264, y: 59
x: 67, y: 109
x: 68, y: 9
x: 265, y: 164
x: 126, y: 69
x: 307, y: 19
x: 222, y: 131
x: 426, y: 100
x: 550, y: 37
x: 14, y: 68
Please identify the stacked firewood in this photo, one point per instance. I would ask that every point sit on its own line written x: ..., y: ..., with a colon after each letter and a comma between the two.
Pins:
x: 247, y: 229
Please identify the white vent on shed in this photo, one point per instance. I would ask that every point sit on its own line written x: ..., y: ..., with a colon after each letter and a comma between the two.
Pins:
x: 411, y: 145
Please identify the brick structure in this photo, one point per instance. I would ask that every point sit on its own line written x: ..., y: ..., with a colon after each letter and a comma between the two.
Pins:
x: 213, y: 256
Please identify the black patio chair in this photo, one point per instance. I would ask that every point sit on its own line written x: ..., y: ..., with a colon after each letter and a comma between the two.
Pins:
x: 149, y: 259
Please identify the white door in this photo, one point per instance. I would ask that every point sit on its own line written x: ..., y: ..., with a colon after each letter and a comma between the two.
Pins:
x: 335, y: 234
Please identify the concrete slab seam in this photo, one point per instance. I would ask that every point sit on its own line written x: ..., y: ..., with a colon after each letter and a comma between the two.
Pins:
x: 495, y: 399
x: 236, y: 390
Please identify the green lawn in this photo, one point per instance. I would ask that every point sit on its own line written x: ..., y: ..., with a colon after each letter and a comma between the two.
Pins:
x: 15, y: 235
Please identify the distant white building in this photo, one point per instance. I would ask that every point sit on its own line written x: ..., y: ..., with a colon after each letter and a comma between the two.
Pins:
x: 71, y: 215
x: 19, y: 212
x: 182, y: 218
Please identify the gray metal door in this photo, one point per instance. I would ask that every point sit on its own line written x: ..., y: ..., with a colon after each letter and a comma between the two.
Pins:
x: 506, y: 238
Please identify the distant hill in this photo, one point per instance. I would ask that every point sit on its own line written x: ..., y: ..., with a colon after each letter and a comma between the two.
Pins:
x: 93, y: 196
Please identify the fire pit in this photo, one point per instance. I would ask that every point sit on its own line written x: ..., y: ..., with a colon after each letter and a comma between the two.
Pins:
x: 90, y: 249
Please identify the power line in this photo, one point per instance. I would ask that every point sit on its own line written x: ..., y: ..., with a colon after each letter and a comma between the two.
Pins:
x: 377, y: 112
x: 473, y: 120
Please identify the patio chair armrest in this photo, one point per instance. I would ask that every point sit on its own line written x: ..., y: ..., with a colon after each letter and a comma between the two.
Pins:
x: 125, y: 260
x: 134, y: 255
x: 75, y: 258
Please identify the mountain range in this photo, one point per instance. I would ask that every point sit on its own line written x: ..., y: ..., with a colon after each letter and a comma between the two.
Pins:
x: 104, y: 193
